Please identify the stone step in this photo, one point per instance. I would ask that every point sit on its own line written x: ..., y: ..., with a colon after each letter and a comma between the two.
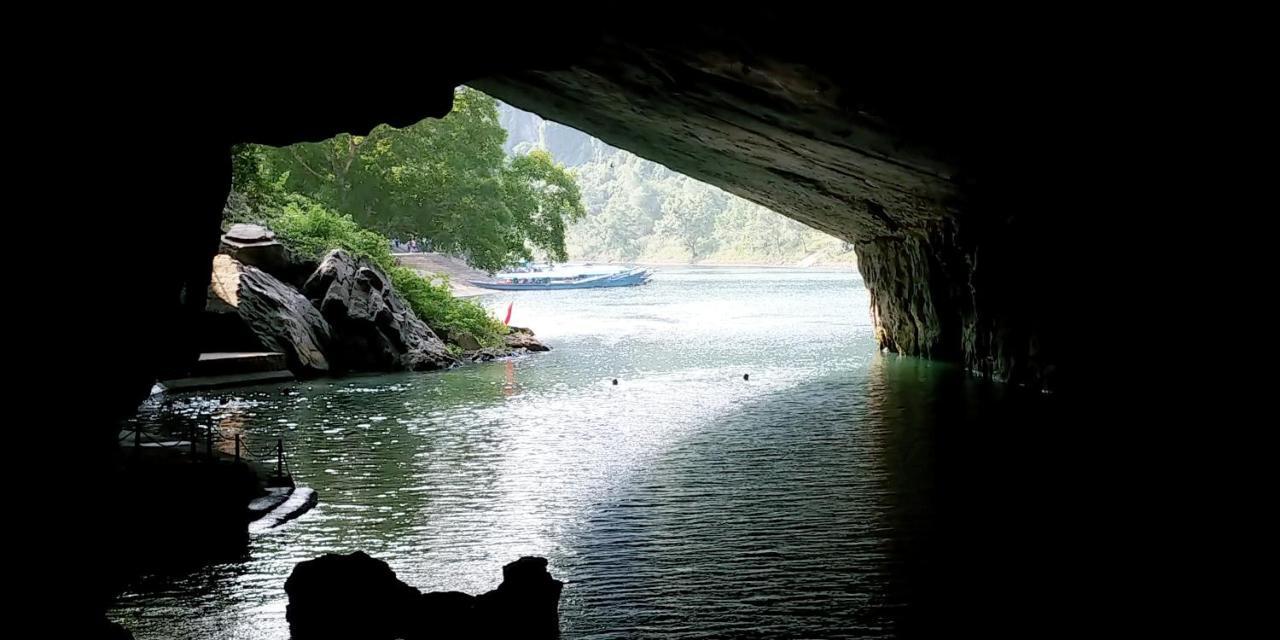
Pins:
x: 229, y: 380
x: 297, y: 502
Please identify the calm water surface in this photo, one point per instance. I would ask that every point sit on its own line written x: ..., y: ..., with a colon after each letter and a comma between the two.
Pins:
x: 683, y: 502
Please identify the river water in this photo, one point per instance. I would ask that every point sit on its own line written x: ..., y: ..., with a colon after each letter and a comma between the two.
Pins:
x: 684, y: 501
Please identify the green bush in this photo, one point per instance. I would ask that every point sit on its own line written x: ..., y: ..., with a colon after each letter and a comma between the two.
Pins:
x: 312, y: 229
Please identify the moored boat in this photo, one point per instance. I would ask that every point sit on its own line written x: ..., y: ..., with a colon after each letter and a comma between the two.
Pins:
x: 584, y: 277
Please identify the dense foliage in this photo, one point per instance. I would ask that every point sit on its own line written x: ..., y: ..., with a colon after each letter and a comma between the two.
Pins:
x: 639, y: 210
x: 446, y: 181
x: 312, y: 229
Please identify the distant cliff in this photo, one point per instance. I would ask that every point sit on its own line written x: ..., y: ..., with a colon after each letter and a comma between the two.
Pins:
x: 639, y: 210
x: 570, y: 147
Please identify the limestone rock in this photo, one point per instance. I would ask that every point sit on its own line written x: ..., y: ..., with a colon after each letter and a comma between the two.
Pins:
x: 464, y: 340
x: 374, y: 329
x: 521, y: 338
x: 256, y: 245
x: 282, y: 319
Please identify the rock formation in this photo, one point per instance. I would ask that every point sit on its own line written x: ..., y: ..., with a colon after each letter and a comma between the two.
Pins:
x: 522, y: 338
x: 356, y: 596
x: 282, y: 319
x: 373, y: 327
x: 351, y: 318
x: 254, y: 245
x: 257, y: 246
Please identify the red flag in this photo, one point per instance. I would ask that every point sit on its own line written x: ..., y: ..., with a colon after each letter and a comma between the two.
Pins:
x: 508, y: 320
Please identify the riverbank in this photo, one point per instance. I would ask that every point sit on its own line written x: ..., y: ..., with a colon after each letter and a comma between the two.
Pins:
x: 456, y: 271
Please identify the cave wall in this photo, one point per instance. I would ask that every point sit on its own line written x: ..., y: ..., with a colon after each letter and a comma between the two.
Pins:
x: 933, y: 171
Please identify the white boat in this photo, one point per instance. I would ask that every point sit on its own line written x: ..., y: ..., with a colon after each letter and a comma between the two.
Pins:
x: 567, y: 277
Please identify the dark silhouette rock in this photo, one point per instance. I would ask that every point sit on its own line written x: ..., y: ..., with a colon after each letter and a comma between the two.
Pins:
x: 356, y: 596
x: 525, y: 605
x: 282, y: 319
x: 101, y: 629
x: 374, y: 329
x: 521, y: 338
x: 347, y: 596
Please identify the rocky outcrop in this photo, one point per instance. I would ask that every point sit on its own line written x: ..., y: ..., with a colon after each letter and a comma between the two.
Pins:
x: 356, y: 596
x: 522, y: 338
x: 464, y: 340
x: 948, y: 292
x: 282, y: 319
x: 254, y: 245
x: 374, y: 329
x: 352, y: 320
x: 257, y: 246
x: 487, y: 354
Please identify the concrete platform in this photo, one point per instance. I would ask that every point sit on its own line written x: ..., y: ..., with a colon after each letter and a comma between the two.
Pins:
x: 218, y: 370
x: 298, y: 502
x: 223, y: 363
x: 230, y: 380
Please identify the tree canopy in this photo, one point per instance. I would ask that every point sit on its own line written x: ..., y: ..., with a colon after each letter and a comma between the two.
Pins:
x: 639, y: 210
x: 446, y: 181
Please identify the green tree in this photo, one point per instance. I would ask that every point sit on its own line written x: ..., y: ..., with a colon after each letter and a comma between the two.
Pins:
x: 445, y: 180
x: 689, y: 218
x: 541, y: 196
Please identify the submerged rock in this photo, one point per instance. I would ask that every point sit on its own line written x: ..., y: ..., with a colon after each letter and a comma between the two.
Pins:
x: 357, y: 596
x: 374, y: 329
x: 518, y: 341
x: 521, y: 338
x: 279, y: 317
x: 487, y: 354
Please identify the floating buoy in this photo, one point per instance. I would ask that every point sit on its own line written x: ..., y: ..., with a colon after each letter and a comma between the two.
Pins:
x: 746, y: 376
x: 615, y: 382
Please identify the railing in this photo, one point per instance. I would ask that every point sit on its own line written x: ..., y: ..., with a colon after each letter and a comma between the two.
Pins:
x: 283, y: 475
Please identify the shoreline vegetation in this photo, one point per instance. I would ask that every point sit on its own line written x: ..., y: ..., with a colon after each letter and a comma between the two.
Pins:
x: 443, y: 183
x: 310, y: 231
